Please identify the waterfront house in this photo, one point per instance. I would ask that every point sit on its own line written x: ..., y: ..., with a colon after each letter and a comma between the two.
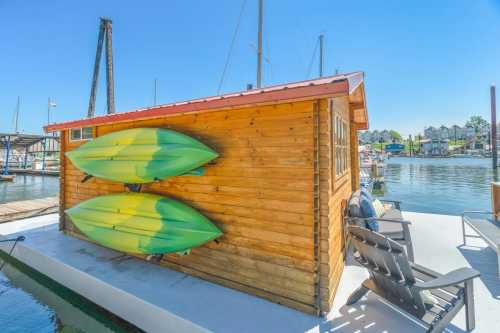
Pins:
x: 375, y: 136
x: 455, y: 132
x: 434, y: 147
x: 288, y: 161
x: 444, y: 132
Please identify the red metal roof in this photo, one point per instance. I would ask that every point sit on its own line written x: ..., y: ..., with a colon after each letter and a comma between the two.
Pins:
x: 344, y: 83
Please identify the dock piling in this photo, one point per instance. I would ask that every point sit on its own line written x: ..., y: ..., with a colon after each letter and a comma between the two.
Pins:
x: 7, y: 156
x: 493, y: 131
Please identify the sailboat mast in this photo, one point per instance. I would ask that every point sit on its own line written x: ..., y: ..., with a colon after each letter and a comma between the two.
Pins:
x: 259, y: 45
x: 16, y: 121
x: 321, y: 55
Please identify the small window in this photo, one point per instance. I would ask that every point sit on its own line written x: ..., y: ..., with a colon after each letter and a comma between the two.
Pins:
x: 84, y: 133
x: 87, y: 133
x: 341, y: 145
x: 76, y: 134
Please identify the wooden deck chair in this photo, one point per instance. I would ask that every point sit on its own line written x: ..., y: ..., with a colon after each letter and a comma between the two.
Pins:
x: 401, y: 282
x: 391, y: 223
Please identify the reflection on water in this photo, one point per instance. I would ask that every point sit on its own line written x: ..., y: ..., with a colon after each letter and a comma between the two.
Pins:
x: 440, y: 185
x: 26, y: 187
x: 30, y: 302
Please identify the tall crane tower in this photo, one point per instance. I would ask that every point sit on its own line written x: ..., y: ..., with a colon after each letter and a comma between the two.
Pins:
x: 105, y: 33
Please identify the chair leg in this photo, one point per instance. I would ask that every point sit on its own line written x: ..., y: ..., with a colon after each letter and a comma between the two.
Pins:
x: 463, y: 230
x: 356, y: 295
x: 498, y: 260
x: 409, y: 244
x: 469, y: 305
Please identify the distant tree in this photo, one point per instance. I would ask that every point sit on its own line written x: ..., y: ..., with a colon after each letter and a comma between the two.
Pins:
x: 477, y: 122
x: 395, y: 136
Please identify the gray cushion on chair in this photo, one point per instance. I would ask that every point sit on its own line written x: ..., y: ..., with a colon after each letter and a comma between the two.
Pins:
x: 355, y: 205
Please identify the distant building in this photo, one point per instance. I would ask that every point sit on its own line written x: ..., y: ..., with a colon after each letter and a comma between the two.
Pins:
x: 365, y: 137
x: 457, y: 133
x: 375, y: 136
x: 434, y: 147
x: 453, y: 133
x: 394, y: 148
x: 430, y: 132
x: 443, y: 132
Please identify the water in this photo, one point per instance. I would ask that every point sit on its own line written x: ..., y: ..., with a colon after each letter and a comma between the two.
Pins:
x: 31, y: 302
x: 440, y: 185
x: 25, y: 187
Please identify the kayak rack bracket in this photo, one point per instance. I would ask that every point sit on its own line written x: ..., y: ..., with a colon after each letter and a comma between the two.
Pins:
x: 134, y: 187
x: 86, y: 178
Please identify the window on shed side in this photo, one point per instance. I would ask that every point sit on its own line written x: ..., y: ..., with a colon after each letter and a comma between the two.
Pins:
x: 87, y: 133
x: 340, y: 132
x: 76, y: 134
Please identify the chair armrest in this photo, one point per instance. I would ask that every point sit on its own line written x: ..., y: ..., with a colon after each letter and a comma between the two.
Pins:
x: 476, y: 212
x: 382, y: 220
x: 394, y: 221
x: 396, y: 203
x: 452, y: 278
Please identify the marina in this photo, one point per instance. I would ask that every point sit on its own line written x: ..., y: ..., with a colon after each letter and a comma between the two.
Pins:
x: 238, y: 180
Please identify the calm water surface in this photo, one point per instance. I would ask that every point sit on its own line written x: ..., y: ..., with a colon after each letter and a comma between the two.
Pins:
x: 440, y: 185
x: 26, y: 187
x: 30, y: 302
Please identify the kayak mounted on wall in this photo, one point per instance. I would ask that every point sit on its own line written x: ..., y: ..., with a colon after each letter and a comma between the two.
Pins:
x: 142, y: 223
x: 141, y: 155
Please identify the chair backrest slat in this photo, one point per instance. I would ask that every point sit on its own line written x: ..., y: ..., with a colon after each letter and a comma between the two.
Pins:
x: 389, y: 268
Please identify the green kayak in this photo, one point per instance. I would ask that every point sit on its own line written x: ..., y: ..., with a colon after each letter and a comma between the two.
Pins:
x: 142, y: 223
x: 141, y: 155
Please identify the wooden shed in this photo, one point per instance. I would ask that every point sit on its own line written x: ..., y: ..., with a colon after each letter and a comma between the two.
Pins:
x: 288, y: 160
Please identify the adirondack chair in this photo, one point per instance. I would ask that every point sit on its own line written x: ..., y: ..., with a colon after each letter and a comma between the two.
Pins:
x: 391, y: 223
x: 401, y: 282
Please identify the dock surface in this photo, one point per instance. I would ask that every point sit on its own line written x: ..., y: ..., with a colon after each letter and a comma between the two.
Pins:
x: 158, y: 299
x: 46, y: 172
x: 22, y: 209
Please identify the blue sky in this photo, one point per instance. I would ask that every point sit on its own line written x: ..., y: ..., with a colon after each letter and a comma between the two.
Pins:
x: 426, y: 62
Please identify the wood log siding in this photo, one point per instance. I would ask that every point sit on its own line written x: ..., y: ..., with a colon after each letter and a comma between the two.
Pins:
x: 259, y: 193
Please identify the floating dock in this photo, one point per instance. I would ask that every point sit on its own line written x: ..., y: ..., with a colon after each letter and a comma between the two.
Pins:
x: 22, y: 209
x: 158, y: 299
x: 46, y: 172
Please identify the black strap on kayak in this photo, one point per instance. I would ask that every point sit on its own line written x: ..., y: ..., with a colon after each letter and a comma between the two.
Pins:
x: 87, y: 177
x: 134, y: 187
x: 15, y: 240
x: 156, y: 258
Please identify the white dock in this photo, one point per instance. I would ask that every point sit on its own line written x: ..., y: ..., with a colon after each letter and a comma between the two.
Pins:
x: 157, y: 299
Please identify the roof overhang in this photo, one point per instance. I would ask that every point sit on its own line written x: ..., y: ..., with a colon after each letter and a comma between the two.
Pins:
x: 17, y: 140
x: 357, y: 104
x: 345, y: 84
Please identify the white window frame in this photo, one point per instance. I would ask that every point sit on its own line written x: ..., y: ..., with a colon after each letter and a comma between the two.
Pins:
x: 81, y: 137
x: 341, y: 145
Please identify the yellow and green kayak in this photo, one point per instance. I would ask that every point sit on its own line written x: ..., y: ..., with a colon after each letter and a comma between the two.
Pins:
x: 141, y: 155
x: 142, y: 223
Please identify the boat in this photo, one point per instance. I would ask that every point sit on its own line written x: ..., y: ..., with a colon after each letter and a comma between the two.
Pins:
x: 7, y: 178
x: 142, y: 223
x: 141, y: 155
